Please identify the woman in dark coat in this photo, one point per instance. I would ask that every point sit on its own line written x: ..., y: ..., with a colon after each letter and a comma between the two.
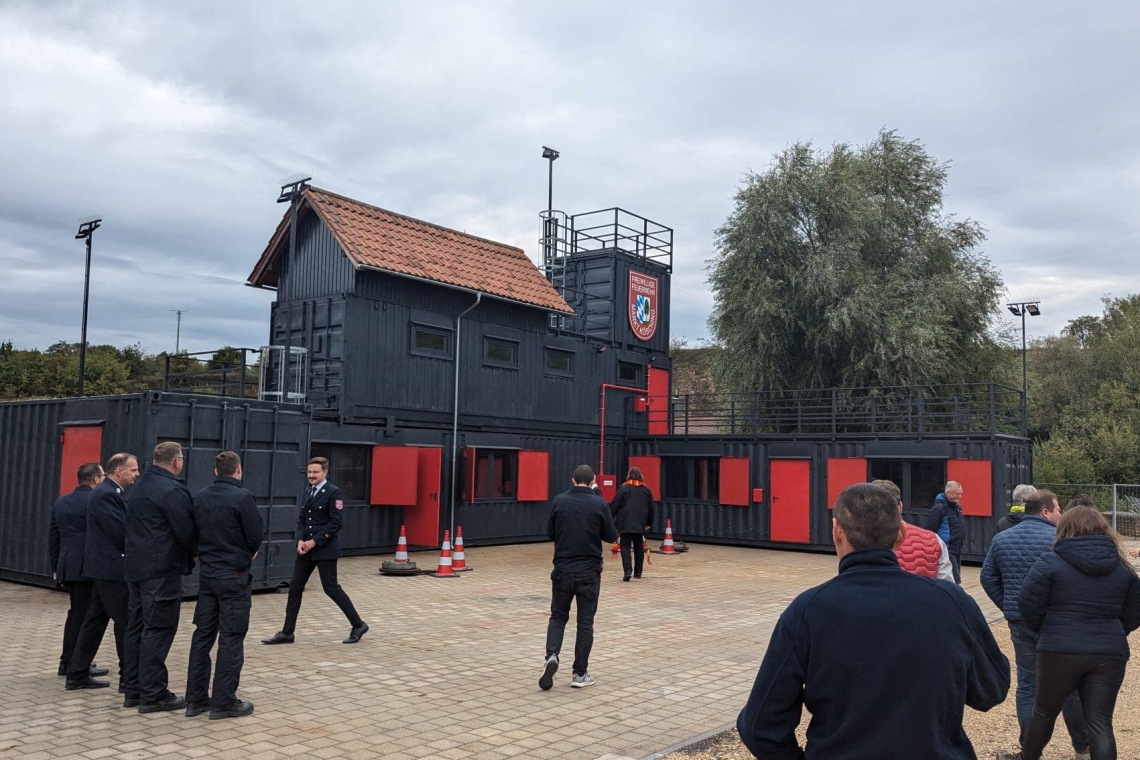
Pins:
x: 633, y: 514
x: 1083, y: 599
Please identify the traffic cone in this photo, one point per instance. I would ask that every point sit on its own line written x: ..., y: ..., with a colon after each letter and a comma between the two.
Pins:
x: 402, y: 546
x: 667, y: 544
x: 647, y: 550
x: 614, y: 548
x: 459, y: 562
x: 444, y: 570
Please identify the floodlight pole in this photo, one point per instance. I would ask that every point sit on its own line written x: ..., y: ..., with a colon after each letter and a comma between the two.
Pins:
x: 87, y: 229
x: 1020, y: 309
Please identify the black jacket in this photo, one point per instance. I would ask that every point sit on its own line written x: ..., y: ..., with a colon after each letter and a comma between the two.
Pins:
x: 632, y: 507
x: 106, y: 533
x: 945, y: 519
x: 67, y: 537
x: 1013, y: 518
x: 579, y: 522
x: 160, y: 527
x: 884, y: 660
x: 321, y: 519
x: 229, y: 528
x: 1081, y: 599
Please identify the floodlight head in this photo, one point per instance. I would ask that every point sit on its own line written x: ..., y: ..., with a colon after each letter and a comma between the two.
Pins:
x: 1033, y: 309
x: 293, y: 185
x: 87, y: 225
x: 550, y: 153
x: 1014, y: 309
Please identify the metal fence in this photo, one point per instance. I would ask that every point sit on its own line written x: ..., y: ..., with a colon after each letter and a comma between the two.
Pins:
x: 1121, y: 500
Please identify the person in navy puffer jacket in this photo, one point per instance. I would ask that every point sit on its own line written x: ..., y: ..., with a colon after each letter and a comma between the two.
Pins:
x: 1083, y: 599
x: 945, y: 519
x: 1011, y: 556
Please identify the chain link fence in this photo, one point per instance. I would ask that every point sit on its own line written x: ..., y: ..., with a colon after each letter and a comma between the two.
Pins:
x: 1120, y: 500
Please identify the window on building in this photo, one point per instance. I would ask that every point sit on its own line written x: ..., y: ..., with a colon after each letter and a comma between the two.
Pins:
x: 629, y: 372
x: 349, y: 467
x: 920, y: 480
x: 559, y: 363
x: 431, y: 341
x: 691, y: 478
x: 498, y: 352
x: 496, y: 474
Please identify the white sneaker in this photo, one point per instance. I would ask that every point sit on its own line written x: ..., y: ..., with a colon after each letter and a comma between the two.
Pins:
x: 582, y: 681
x: 549, y: 668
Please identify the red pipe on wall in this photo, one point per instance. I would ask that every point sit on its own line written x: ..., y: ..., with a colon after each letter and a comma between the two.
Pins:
x: 602, y: 432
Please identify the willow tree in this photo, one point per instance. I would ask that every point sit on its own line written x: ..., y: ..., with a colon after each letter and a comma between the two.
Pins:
x: 841, y: 268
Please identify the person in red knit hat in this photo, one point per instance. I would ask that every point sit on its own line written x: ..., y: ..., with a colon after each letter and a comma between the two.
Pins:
x: 922, y: 552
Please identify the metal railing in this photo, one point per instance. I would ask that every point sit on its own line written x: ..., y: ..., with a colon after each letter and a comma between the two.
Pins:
x: 1110, y: 498
x: 910, y: 411
x: 218, y: 373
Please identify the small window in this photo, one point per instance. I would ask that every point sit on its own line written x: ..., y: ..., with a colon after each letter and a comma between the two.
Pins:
x: 431, y: 341
x: 629, y: 372
x: 691, y: 478
x: 559, y: 363
x: 920, y: 480
x: 349, y: 467
x: 496, y: 474
x: 500, y: 353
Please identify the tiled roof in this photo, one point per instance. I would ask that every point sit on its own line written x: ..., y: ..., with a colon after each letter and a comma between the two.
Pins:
x: 373, y: 238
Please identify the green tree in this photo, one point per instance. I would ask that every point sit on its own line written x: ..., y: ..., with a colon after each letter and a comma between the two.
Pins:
x: 841, y: 268
x: 226, y: 357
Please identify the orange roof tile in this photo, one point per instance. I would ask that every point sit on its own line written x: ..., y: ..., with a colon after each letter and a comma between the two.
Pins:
x: 373, y: 238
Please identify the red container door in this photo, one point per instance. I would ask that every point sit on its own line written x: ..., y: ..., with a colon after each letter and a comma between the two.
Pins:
x: 422, y: 520
x: 394, y: 476
x: 650, y: 470
x: 843, y: 472
x: 976, y: 477
x: 734, y: 481
x: 658, y: 401
x: 790, y: 500
x: 80, y: 446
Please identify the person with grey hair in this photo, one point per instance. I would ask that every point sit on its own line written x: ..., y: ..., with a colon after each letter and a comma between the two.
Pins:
x: 1017, y: 509
x: 945, y: 519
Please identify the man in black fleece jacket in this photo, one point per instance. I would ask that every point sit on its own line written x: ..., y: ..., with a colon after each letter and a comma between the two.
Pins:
x: 885, y: 661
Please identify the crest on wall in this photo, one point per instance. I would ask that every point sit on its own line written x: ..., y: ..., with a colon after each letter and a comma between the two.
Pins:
x: 642, y: 305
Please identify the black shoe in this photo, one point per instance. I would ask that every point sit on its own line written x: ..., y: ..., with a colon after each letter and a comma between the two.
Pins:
x: 122, y: 688
x: 95, y: 672
x: 625, y: 577
x: 86, y: 683
x: 353, y: 635
x: 237, y: 710
x: 637, y: 575
x: 169, y: 703
x: 131, y: 702
x: 196, y: 708
x: 279, y: 638
x: 62, y: 669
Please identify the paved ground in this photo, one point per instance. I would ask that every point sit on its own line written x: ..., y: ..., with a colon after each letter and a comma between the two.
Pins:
x: 449, y: 669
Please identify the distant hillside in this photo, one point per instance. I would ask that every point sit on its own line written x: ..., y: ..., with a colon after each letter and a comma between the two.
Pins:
x: 692, y: 369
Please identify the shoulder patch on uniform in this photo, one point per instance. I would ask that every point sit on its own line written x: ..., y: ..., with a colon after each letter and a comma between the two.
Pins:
x: 339, y: 503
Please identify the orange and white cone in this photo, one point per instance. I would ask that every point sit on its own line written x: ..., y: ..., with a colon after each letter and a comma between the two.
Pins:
x: 459, y: 562
x: 444, y: 570
x: 667, y: 544
x: 648, y: 552
x: 402, y: 546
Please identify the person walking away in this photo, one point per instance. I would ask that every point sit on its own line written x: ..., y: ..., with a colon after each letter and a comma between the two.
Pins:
x: 922, y: 551
x: 578, y: 524
x: 853, y: 649
x: 1082, y: 599
x: 632, y: 508
x: 230, y: 531
x: 1011, y: 556
x: 160, y: 548
x: 945, y: 519
x: 67, y: 536
x: 103, y: 552
x: 318, y: 548
x: 1017, y: 509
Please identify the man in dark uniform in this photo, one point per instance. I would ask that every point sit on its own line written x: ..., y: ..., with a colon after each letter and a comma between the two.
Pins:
x: 318, y: 547
x: 230, y: 530
x: 66, y: 538
x: 103, y: 564
x: 160, y: 545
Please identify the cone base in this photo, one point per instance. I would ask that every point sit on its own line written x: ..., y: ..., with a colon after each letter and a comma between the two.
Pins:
x: 448, y: 575
x: 462, y: 569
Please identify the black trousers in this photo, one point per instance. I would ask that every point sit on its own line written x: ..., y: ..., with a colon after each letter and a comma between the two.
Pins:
x: 956, y: 563
x: 80, y: 593
x: 1097, y: 680
x: 155, y: 606
x: 632, y: 542
x: 222, y: 613
x: 108, y: 602
x: 585, y: 587
x: 303, y: 567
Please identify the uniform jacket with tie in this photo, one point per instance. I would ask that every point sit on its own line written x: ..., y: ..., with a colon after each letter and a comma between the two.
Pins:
x: 106, y: 533
x: 320, y: 519
x: 68, y: 535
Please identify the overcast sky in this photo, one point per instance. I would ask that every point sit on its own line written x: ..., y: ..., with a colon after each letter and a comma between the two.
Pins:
x: 176, y: 121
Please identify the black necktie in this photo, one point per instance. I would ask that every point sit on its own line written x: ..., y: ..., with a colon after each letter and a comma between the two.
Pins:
x: 312, y: 492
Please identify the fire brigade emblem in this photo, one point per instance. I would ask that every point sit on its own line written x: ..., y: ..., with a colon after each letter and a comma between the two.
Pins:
x: 642, y: 305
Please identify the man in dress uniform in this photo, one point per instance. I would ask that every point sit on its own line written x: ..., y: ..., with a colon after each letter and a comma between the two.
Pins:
x: 103, y: 564
x: 66, y: 538
x: 160, y: 545
x: 318, y: 547
x: 230, y: 530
